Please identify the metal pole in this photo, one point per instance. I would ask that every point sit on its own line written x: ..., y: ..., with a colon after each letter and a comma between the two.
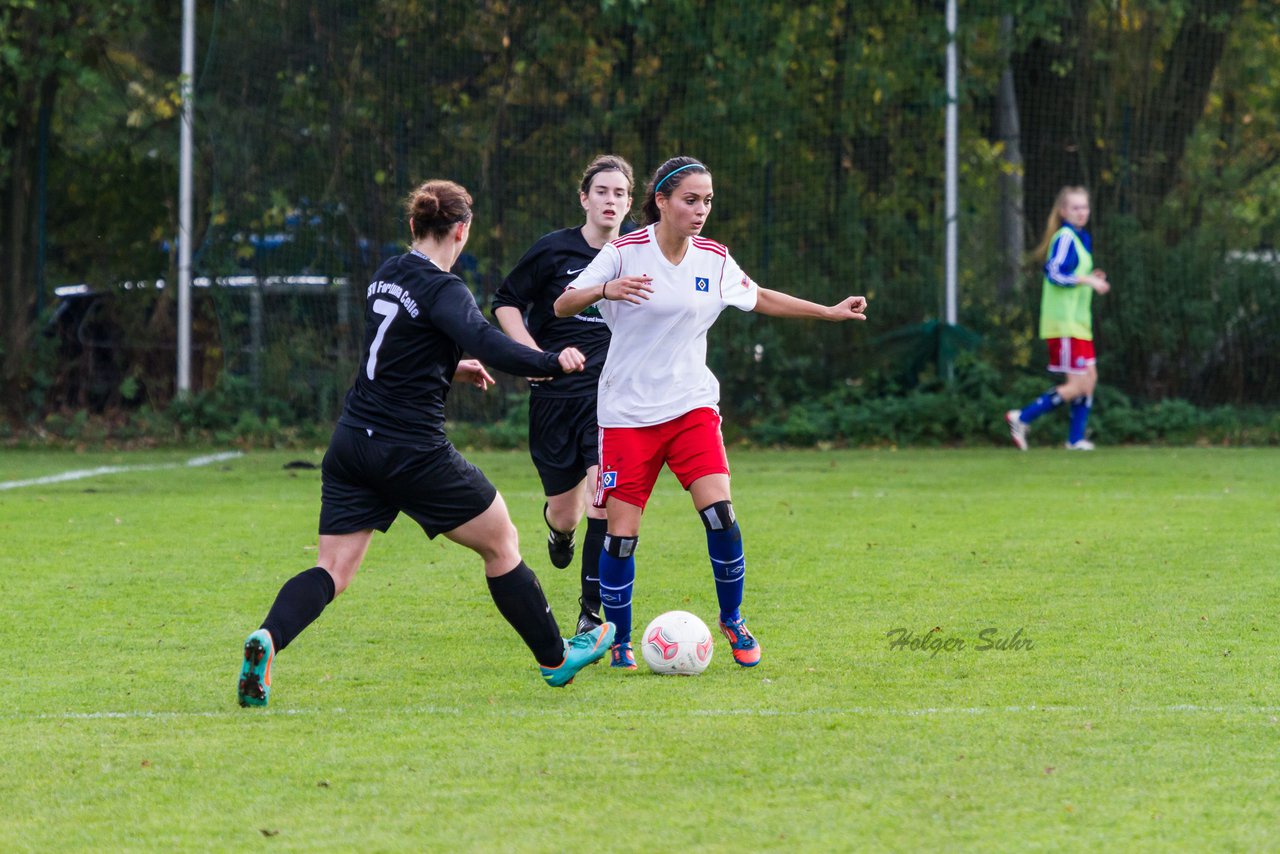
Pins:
x: 952, y: 171
x: 184, y: 196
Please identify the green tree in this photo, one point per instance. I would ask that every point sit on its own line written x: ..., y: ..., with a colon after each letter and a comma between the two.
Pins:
x: 1110, y: 94
x: 822, y: 122
x: 52, y: 56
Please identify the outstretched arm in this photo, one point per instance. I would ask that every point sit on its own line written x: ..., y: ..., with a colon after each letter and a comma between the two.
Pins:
x: 778, y: 304
x: 633, y: 289
x: 454, y: 312
x: 600, y: 281
x: 575, y: 300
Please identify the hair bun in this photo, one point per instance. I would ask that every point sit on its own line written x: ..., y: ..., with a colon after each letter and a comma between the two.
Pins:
x: 425, y: 204
x: 436, y: 205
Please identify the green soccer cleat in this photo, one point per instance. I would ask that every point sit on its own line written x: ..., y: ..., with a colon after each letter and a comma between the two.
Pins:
x: 579, y: 651
x: 254, y: 688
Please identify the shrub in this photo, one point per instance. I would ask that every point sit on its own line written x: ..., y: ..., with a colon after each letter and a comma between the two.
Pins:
x: 971, y: 410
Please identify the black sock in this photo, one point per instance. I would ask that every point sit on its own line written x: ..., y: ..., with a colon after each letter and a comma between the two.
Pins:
x: 519, y: 597
x: 591, y: 547
x: 298, y: 603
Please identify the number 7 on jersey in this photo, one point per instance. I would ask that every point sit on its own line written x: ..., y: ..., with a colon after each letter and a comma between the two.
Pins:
x: 388, y: 310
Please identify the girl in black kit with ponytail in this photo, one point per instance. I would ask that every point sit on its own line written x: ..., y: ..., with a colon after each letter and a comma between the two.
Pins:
x: 389, y: 453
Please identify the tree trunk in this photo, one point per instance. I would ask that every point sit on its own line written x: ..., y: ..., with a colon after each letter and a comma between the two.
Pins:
x: 1161, y: 133
x: 17, y: 282
x: 838, y: 138
x: 1049, y: 126
x: 1090, y: 99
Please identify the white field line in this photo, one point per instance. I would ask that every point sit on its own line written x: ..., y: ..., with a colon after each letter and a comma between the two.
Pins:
x: 81, y: 474
x: 846, y: 711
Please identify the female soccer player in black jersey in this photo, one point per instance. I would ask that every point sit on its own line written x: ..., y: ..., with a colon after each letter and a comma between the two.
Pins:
x: 389, y: 453
x: 562, y: 411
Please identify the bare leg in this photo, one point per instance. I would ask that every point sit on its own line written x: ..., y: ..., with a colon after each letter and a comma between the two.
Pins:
x: 624, y: 518
x: 1079, y: 385
x: 709, y: 489
x: 565, y: 510
x: 342, y: 554
x: 492, y: 536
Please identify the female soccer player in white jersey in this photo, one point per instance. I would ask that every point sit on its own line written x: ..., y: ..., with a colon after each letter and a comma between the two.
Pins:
x: 660, y: 289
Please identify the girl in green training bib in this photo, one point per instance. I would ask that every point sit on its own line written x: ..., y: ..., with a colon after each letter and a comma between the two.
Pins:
x: 1066, y: 322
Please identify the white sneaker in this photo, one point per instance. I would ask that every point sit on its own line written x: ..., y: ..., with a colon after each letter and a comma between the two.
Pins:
x: 1082, y: 445
x: 1017, y: 428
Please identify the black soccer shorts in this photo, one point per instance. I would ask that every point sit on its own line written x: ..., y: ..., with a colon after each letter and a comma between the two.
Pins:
x: 366, y: 482
x: 562, y: 440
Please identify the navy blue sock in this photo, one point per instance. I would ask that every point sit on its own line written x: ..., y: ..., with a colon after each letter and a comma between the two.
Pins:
x: 1080, y: 408
x: 728, y: 562
x: 520, y: 599
x: 297, y: 605
x: 617, y: 577
x: 592, y: 545
x: 1046, y: 402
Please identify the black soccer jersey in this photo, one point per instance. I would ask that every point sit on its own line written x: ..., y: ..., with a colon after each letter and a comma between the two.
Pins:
x: 419, y: 320
x: 533, y: 287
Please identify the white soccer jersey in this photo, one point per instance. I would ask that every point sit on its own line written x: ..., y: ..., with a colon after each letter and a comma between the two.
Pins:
x: 656, y: 369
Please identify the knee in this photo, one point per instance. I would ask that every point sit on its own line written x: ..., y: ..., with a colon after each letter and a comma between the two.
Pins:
x: 620, y: 547
x: 563, y: 516
x: 718, y: 516
x: 506, y: 542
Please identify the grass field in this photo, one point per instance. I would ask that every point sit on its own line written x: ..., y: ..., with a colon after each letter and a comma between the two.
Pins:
x: 1143, y: 715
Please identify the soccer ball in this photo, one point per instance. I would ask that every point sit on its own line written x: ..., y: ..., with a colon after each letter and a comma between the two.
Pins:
x: 677, y: 642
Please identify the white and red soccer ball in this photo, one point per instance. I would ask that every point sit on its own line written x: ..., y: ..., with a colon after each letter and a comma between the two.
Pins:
x: 677, y: 642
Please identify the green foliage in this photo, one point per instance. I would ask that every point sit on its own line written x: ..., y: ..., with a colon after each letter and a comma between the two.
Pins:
x: 1191, y: 319
x: 1178, y: 422
x: 870, y: 412
x: 235, y: 412
x: 822, y: 122
x: 504, y: 433
x: 231, y: 413
x: 47, y: 48
x: 971, y: 411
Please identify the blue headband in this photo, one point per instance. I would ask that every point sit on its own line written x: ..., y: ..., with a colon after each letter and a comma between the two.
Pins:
x: 674, y: 171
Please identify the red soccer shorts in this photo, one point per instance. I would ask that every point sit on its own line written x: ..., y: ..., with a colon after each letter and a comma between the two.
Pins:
x: 631, y: 458
x: 1070, y: 355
